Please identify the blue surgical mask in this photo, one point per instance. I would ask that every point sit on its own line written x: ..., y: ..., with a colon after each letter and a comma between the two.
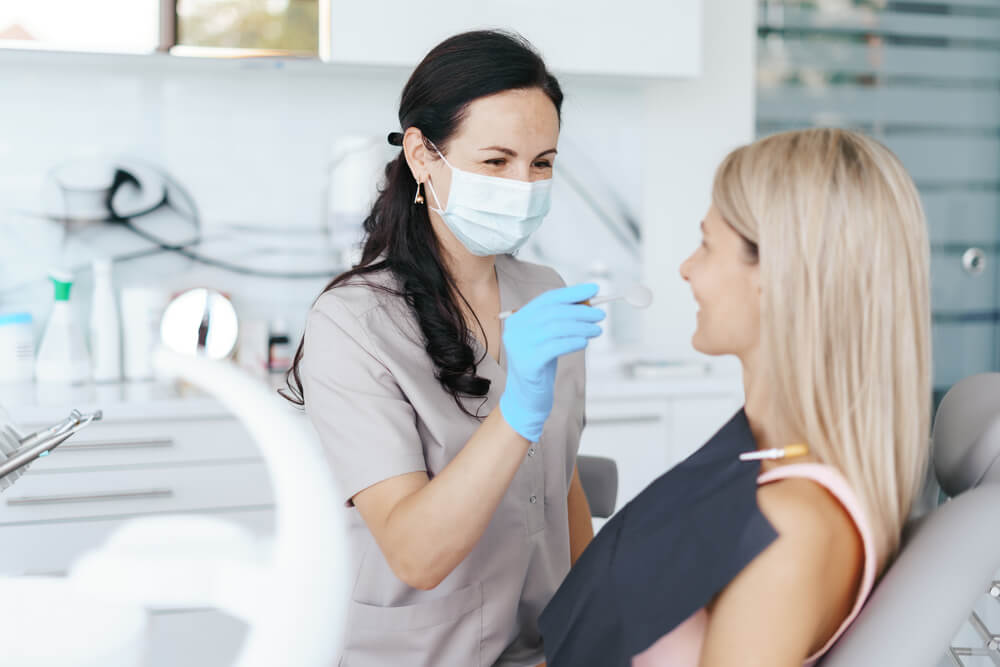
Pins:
x: 491, y: 215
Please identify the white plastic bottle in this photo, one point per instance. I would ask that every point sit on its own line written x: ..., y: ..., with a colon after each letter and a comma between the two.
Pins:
x: 142, y: 309
x: 17, y: 348
x: 62, y: 355
x: 105, y: 326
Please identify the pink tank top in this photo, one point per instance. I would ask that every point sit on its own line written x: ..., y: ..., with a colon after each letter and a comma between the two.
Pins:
x: 682, y: 646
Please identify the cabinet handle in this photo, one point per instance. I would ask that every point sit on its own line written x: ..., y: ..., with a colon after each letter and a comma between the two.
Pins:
x: 119, y: 495
x: 45, y: 573
x: 635, y: 419
x: 118, y: 444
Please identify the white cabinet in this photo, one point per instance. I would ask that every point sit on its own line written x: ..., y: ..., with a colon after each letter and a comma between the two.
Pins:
x: 635, y: 434
x: 163, y: 458
x: 628, y: 37
x: 44, y: 548
x: 118, y: 442
x: 649, y: 427
x: 110, y: 493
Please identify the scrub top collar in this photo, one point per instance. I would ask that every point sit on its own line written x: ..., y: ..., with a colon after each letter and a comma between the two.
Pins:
x: 487, y: 359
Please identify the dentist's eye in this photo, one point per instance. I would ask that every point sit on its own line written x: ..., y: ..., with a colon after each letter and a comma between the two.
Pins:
x: 543, y: 164
x: 496, y: 162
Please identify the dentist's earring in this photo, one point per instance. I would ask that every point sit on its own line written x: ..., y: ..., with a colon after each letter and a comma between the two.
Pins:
x: 419, y: 198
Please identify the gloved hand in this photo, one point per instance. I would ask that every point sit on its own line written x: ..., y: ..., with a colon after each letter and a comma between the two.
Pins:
x: 549, y: 326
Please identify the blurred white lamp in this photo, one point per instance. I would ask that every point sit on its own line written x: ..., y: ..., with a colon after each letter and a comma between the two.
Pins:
x: 291, y: 592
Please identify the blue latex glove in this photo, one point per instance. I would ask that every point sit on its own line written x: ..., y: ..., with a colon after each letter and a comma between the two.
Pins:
x: 549, y: 326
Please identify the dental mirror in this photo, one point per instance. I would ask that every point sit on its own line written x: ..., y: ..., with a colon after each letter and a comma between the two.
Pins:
x: 200, y: 322
x: 637, y: 296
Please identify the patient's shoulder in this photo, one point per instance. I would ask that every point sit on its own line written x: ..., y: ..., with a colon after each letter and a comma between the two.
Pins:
x: 802, y: 506
x: 811, y: 520
x: 805, y: 583
x: 822, y: 548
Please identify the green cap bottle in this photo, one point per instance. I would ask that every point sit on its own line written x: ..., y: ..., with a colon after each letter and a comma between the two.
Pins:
x: 63, y: 283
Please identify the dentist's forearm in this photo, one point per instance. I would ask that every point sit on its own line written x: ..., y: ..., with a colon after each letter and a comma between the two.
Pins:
x: 435, y: 528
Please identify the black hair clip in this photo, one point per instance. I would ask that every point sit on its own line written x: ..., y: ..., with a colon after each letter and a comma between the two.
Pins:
x: 395, y: 138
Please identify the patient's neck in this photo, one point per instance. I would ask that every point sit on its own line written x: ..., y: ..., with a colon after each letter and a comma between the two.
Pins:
x: 767, y: 431
x: 757, y: 402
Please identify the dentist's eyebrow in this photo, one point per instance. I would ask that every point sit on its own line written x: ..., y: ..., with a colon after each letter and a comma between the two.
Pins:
x: 505, y: 151
x: 512, y: 153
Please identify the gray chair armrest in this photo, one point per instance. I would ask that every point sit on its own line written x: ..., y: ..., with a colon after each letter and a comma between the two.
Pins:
x: 599, y: 477
x: 924, y: 598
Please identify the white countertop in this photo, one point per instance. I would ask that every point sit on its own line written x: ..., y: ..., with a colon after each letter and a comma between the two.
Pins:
x: 137, y: 401
x: 130, y: 401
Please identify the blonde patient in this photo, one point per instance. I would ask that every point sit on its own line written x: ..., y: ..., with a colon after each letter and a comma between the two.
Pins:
x: 813, y: 271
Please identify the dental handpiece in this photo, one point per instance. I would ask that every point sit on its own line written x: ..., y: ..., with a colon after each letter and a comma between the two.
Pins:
x: 40, y: 443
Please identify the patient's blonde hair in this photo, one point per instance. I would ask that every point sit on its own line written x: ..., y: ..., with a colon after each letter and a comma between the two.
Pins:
x: 845, y: 318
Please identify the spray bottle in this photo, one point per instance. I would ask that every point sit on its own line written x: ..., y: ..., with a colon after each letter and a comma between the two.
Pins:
x: 62, y: 355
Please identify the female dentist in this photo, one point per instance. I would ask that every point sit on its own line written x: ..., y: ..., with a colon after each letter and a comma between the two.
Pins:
x: 457, y: 451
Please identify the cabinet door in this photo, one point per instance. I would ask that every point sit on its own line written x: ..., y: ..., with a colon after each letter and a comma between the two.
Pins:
x: 628, y: 37
x: 124, y: 492
x: 128, y: 443
x: 49, y: 548
x: 634, y: 434
x: 188, y: 637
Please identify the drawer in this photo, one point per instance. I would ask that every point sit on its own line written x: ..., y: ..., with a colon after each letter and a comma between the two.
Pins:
x: 55, y: 496
x: 104, y: 444
x: 648, y: 437
x: 49, y: 548
x: 635, y: 436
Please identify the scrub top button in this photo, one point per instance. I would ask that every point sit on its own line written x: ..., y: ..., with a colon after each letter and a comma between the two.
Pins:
x: 531, y: 452
x: 533, y: 500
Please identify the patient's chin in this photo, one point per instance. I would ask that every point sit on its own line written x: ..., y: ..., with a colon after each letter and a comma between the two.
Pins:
x: 703, y: 343
x: 698, y: 341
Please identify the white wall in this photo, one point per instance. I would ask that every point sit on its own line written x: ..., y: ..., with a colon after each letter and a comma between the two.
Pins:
x: 691, y: 127
x: 251, y: 141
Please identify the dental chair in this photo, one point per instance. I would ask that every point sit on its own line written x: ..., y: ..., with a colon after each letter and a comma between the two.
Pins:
x: 950, y: 556
x: 599, y: 479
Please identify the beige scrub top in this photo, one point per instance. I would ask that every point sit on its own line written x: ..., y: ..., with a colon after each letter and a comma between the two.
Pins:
x: 370, y: 391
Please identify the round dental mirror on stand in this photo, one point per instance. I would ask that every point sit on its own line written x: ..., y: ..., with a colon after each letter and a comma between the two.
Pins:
x: 200, y: 322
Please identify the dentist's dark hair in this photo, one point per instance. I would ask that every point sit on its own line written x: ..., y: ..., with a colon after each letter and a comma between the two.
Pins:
x: 398, y: 233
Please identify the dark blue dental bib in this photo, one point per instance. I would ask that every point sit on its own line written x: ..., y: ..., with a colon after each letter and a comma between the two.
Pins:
x: 663, y: 557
